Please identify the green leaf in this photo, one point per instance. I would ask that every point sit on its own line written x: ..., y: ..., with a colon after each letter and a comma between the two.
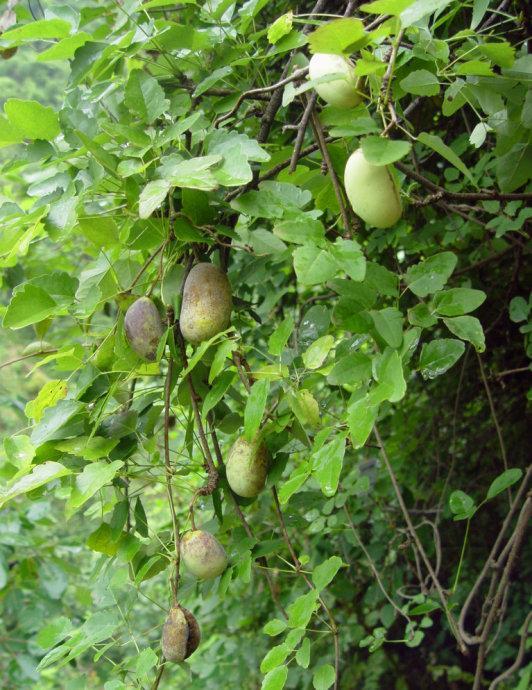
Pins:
x: 467, y: 328
x: 152, y: 196
x: 31, y: 119
x: 300, y: 230
x: 382, y: 151
x: 421, y: 82
x: 327, y: 465
x: 349, y: 258
x: 303, y: 654
x: 479, y: 10
x: 436, y: 144
x: 519, y: 309
x: 144, y: 96
x: 338, y: 36
x: 29, y: 304
x: 313, y: 265
x: 275, y: 627
x: 102, y: 540
x: 350, y: 370
x: 362, y: 417
x: 305, y: 407
x: 41, y: 474
x: 439, y: 355
x: 300, y: 611
x: 40, y: 30
x: 55, y: 631
x: 294, y: 482
x: 389, y: 373
x: 55, y: 422
x: 91, y: 480
x: 462, y: 505
x: 276, y: 679
x: 389, y: 325
x: 325, y: 573
x: 65, y: 49
x: 223, y: 351
x: 324, y: 677
x: 48, y: 396
x: 393, y: 7
x: 255, y: 406
x: 430, y: 275
x: 503, y: 482
x: 421, y: 8
x: 216, y: 393
x: 146, y: 661
x: 458, y: 301
x: 279, y: 338
x: 275, y: 657
x: 281, y: 26
x: 514, y: 168
x: 19, y: 450
x: 317, y: 353
x: 194, y: 173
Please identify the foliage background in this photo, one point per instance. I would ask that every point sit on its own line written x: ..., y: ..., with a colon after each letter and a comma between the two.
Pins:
x: 82, y: 211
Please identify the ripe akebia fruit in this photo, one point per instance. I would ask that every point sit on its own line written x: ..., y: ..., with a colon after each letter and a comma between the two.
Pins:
x: 202, y: 554
x: 207, y: 303
x: 341, y: 92
x: 372, y: 191
x: 144, y: 328
x: 181, y: 635
x: 247, y: 467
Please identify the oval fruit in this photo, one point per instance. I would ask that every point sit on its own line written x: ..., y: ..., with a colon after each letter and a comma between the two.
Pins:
x: 144, y: 328
x: 194, y: 632
x: 246, y: 467
x: 207, y: 303
x: 341, y: 92
x: 175, y: 635
x: 372, y: 190
x: 203, y: 555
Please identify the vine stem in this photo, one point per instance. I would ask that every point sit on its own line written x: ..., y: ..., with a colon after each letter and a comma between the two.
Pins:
x: 462, y: 553
x: 167, y: 462
x: 439, y: 589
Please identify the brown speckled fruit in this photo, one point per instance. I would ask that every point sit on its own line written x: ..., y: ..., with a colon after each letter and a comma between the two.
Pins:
x: 203, y: 555
x: 194, y: 633
x: 207, y: 303
x: 246, y: 467
x: 175, y: 635
x: 144, y: 328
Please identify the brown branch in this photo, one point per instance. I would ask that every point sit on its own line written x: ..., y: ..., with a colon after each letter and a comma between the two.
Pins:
x: 450, y: 618
x: 159, y: 675
x: 483, y: 262
x: 301, y: 129
x: 146, y: 264
x: 298, y: 74
x: 470, y: 639
x: 517, y: 539
x: 320, y: 138
x: 519, y: 658
x: 469, y: 196
x: 509, y: 372
x: 33, y: 354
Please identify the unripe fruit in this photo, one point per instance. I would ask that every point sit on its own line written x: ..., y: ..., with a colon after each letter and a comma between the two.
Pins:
x: 144, y: 328
x: 246, y: 467
x: 372, y: 190
x: 203, y: 555
x: 207, y: 303
x: 175, y: 636
x: 341, y: 92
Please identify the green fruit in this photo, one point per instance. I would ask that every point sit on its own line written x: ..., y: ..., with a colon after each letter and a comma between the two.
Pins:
x: 38, y: 347
x: 144, y: 328
x: 175, y: 636
x: 341, y: 92
x: 207, y: 303
x: 373, y: 191
x: 246, y: 467
x: 203, y: 554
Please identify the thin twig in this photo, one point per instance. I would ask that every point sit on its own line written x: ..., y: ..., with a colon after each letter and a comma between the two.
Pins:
x: 519, y: 658
x: 301, y: 129
x: 450, y: 618
x: 33, y: 354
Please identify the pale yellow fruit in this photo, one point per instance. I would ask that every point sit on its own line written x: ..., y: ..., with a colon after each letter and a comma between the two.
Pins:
x: 373, y: 191
x: 207, y: 303
x: 341, y: 92
x: 203, y: 555
x: 246, y: 467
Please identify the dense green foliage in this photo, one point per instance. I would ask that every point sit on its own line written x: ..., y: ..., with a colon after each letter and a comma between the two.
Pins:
x: 383, y: 368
